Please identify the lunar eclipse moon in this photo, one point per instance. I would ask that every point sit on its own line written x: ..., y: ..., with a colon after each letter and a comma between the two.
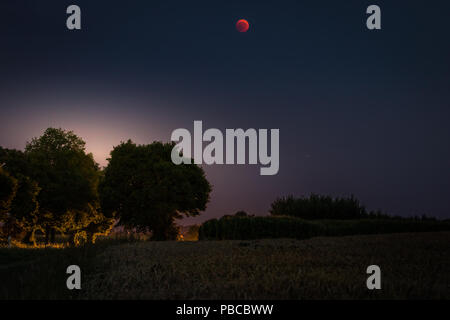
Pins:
x: 242, y: 25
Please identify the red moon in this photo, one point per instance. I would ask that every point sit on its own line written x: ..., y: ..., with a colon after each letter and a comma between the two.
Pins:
x: 242, y: 25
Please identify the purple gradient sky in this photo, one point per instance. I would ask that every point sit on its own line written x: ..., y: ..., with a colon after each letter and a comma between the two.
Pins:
x: 359, y: 112
x: 100, y: 119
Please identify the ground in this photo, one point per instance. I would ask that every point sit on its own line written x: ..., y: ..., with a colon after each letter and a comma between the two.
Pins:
x: 413, y: 265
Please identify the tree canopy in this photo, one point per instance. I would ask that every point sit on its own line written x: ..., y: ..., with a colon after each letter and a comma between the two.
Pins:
x: 319, y: 207
x: 56, y: 187
x: 8, y: 189
x: 67, y: 175
x: 148, y: 192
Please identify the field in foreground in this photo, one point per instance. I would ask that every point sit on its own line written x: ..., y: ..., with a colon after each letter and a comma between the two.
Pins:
x: 413, y: 265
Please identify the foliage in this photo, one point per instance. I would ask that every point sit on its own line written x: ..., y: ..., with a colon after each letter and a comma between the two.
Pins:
x: 25, y: 207
x: 67, y: 176
x: 86, y: 225
x: 15, y: 162
x: 57, y: 188
x: 148, y: 192
x: 245, y: 228
x: 319, y: 207
x: 8, y: 189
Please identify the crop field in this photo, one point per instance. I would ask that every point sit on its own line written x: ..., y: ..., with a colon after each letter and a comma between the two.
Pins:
x: 413, y: 266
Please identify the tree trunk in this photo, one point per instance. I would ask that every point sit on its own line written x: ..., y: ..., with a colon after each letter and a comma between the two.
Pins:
x: 164, y: 232
x: 30, y: 238
x: 90, y: 237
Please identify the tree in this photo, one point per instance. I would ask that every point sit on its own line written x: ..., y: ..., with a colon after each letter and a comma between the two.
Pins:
x: 319, y: 207
x: 67, y: 176
x: 148, y: 192
x: 56, y: 171
x: 84, y: 226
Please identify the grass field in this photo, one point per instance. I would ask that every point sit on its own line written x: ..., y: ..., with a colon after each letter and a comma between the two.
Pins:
x: 413, y: 265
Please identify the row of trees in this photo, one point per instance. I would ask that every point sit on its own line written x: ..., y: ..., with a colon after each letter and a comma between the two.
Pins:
x: 311, y: 216
x: 322, y: 207
x: 248, y: 227
x: 55, y: 187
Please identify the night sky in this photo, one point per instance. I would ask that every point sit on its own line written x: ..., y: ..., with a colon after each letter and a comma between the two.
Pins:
x: 360, y: 112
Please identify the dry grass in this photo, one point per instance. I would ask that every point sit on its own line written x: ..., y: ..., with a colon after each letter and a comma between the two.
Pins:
x: 413, y: 266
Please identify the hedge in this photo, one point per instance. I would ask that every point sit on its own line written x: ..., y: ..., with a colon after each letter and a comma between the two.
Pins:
x: 248, y: 228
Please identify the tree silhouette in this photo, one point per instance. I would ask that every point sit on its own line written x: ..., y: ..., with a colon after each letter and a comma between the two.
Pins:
x: 68, y: 178
x: 57, y: 186
x: 148, y: 192
x: 319, y: 207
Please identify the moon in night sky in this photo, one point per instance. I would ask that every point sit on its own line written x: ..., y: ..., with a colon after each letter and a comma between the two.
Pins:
x: 242, y: 25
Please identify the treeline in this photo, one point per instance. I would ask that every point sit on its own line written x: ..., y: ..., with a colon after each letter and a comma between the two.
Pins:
x: 55, y: 188
x: 248, y: 228
x: 312, y: 216
x: 323, y: 207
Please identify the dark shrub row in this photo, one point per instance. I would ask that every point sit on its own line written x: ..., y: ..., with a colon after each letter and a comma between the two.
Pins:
x: 247, y: 228
x: 380, y: 226
x: 258, y: 227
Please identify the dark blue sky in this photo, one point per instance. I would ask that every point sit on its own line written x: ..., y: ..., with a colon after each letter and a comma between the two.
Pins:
x: 360, y: 112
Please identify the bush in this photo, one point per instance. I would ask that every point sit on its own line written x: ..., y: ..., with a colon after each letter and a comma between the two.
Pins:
x: 246, y: 228
x: 249, y: 228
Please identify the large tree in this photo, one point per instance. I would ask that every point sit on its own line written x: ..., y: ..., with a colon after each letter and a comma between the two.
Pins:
x: 55, y: 188
x: 68, y: 178
x: 148, y: 192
